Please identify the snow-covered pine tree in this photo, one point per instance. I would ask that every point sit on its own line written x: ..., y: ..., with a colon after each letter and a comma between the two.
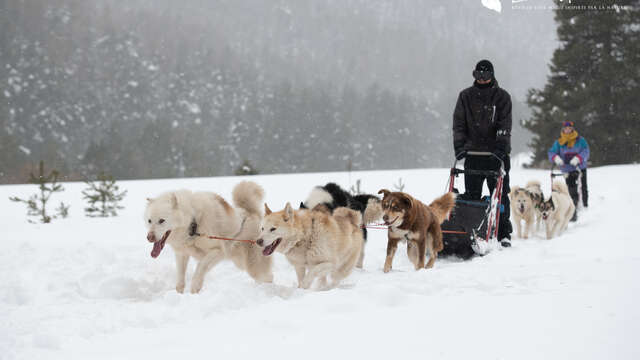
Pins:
x: 594, y: 82
x: 37, y: 203
x: 103, y: 196
x: 399, y: 186
x: 246, y: 168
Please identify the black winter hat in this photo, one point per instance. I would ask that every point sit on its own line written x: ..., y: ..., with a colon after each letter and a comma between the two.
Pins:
x: 484, y: 65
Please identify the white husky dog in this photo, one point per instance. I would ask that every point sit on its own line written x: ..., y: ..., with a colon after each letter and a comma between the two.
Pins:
x: 558, y: 210
x: 522, y: 209
x: 178, y: 217
x: 525, y: 206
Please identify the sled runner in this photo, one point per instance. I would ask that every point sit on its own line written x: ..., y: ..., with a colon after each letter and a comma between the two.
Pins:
x: 472, y: 227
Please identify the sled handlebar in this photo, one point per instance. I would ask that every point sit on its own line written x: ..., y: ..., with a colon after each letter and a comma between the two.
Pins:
x: 556, y: 171
x: 479, y: 172
x: 455, y: 171
x: 492, y: 173
x: 554, y: 166
x: 480, y: 153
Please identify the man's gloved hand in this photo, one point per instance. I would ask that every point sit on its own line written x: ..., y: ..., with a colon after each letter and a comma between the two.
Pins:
x: 575, y: 161
x: 500, y: 151
x: 458, y: 149
x: 558, y: 160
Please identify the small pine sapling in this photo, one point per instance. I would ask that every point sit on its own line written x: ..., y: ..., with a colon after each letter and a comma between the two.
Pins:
x: 246, y: 169
x: 63, y: 210
x: 37, y: 203
x: 399, y: 186
x: 103, y: 197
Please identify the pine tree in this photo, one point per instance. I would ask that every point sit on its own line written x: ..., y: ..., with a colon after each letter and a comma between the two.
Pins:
x: 37, y: 203
x: 103, y: 197
x: 594, y: 81
x: 399, y: 186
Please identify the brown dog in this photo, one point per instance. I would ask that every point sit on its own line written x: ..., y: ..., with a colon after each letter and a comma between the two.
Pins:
x: 411, y: 220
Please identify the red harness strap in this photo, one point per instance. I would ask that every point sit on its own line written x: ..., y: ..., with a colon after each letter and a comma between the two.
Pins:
x: 227, y: 239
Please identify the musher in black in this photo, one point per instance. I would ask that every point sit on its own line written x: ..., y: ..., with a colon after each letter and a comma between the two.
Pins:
x: 482, y: 122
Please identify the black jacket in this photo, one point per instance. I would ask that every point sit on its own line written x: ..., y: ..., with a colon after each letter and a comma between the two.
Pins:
x: 482, y: 120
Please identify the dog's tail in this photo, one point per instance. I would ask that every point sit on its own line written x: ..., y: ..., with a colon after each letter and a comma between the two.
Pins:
x: 353, y: 216
x: 560, y: 186
x: 372, y: 209
x: 443, y: 205
x: 249, y: 196
x: 534, y: 183
x: 318, y: 196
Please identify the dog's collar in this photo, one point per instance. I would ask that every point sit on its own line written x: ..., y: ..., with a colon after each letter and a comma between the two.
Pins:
x: 193, y: 228
x: 298, y: 242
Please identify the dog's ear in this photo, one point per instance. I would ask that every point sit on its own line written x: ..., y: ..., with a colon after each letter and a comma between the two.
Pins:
x: 384, y: 192
x: 174, y: 201
x: 406, y: 200
x: 288, y: 212
x: 267, y: 211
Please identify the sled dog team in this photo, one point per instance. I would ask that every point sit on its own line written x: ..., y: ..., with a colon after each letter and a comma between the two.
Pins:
x: 529, y: 206
x: 323, y: 239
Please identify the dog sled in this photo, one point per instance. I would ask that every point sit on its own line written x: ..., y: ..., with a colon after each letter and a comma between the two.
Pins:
x: 557, y: 173
x: 472, y: 226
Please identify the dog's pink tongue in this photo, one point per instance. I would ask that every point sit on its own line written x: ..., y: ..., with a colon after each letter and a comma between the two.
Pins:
x: 271, y: 248
x: 157, y: 248
x: 158, y: 245
x: 267, y: 250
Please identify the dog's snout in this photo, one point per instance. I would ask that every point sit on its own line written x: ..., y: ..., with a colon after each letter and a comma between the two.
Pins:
x: 259, y: 242
x: 151, y: 237
x: 385, y: 218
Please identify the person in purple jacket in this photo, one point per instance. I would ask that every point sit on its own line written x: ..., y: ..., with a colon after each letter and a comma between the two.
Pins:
x: 571, y: 153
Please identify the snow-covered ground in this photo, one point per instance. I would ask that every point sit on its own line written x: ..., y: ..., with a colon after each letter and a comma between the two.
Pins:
x: 86, y: 288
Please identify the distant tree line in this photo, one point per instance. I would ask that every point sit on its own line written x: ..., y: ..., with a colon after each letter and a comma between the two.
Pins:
x: 86, y: 95
x: 163, y: 88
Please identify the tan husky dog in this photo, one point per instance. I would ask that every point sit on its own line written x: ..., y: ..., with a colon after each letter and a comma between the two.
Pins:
x: 316, y: 242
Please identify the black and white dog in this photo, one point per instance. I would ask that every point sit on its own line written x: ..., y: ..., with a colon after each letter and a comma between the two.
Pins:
x: 333, y: 196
